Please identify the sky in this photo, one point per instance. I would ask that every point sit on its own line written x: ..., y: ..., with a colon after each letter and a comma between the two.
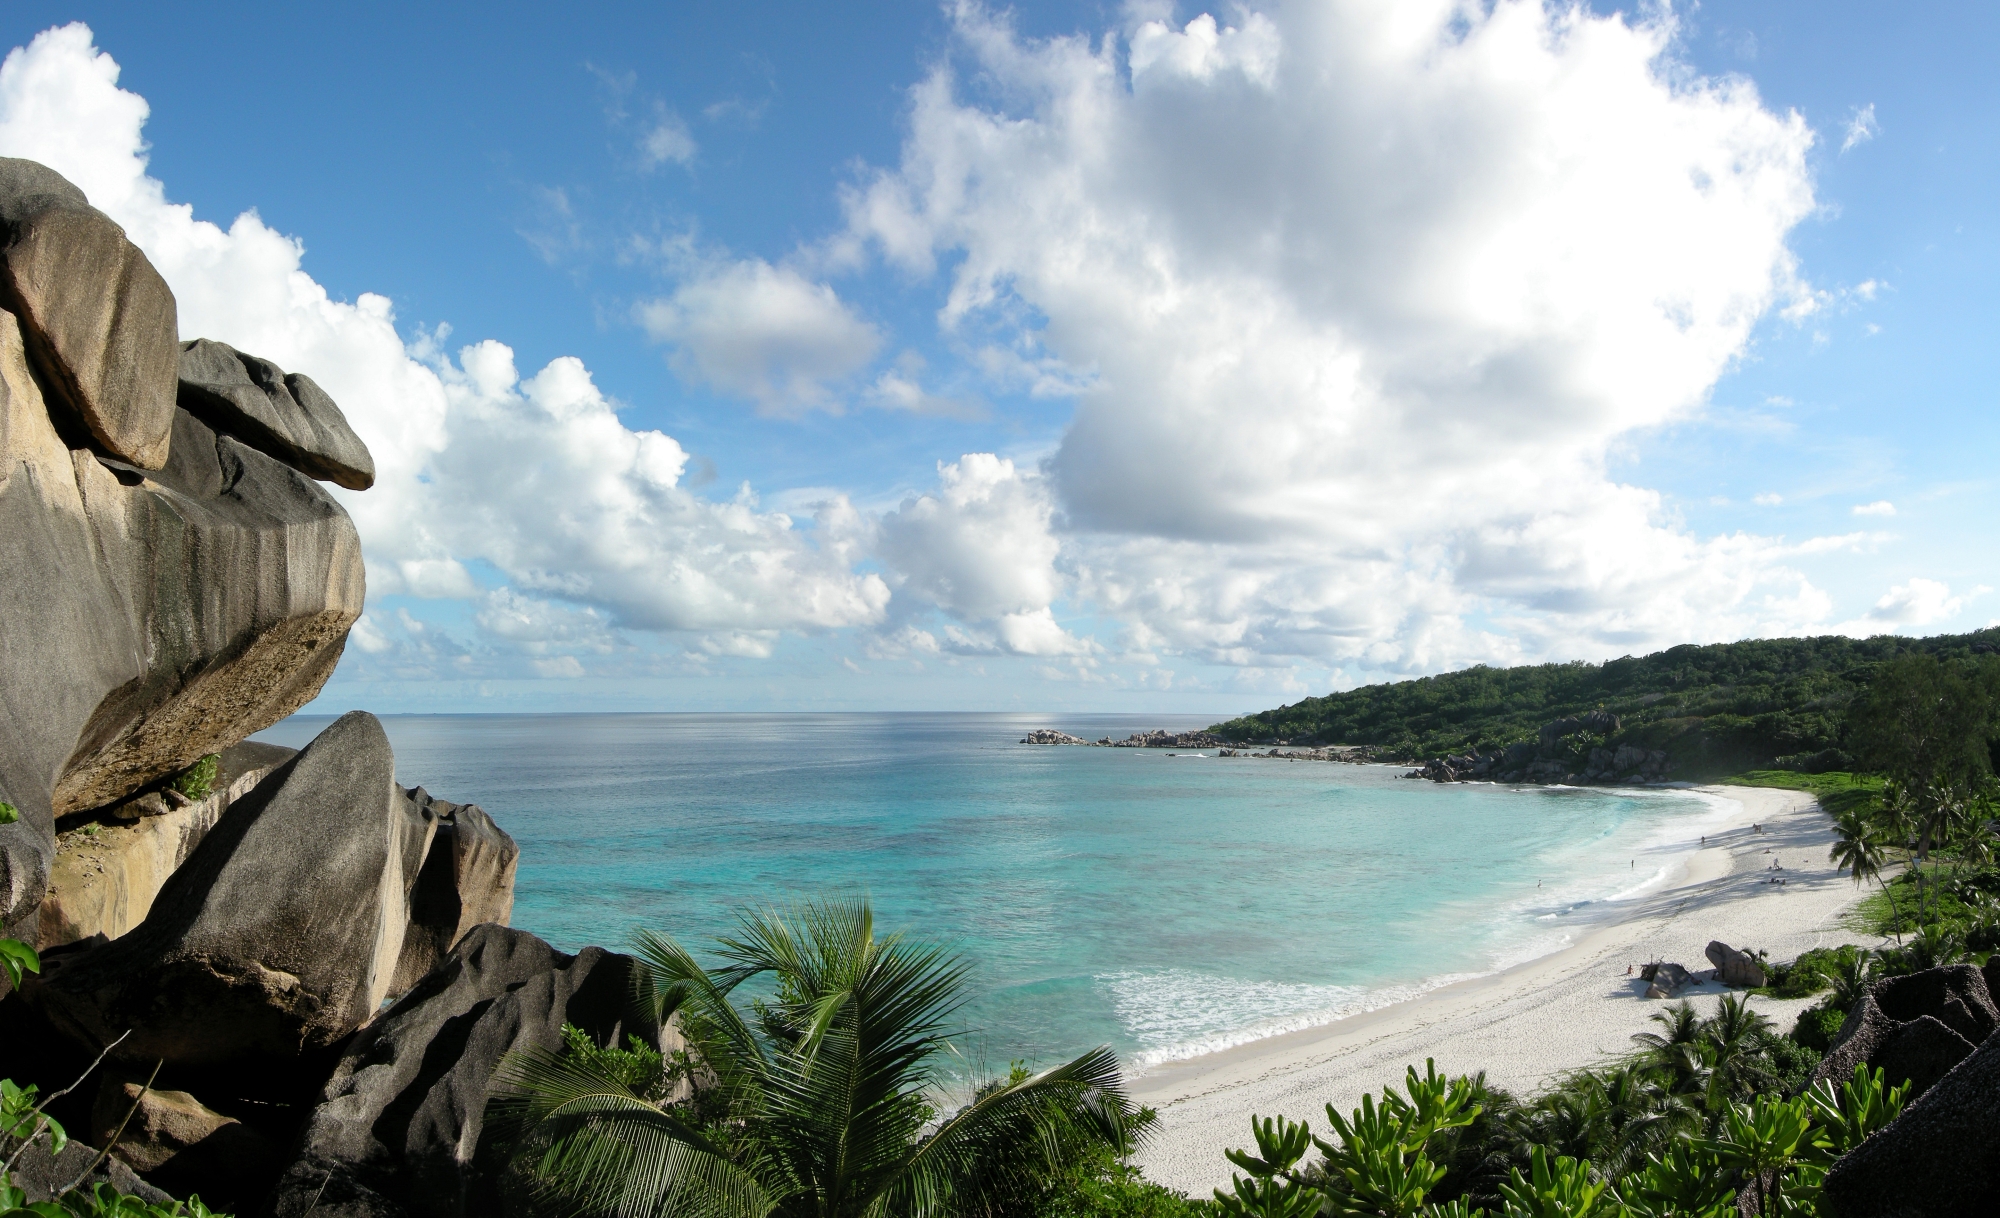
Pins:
x: 1142, y: 358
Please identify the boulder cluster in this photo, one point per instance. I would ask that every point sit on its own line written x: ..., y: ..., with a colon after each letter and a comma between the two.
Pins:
x: 1551, y: 759
x: 1155, y: 739
x: 295, y: 975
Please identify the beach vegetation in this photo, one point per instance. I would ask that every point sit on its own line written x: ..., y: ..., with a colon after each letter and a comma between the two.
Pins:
x: 1813, y: 971
x: 815, y: 1097
x: 1766, y: 1154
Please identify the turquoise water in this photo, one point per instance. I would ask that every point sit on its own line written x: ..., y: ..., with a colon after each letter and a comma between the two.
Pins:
x: 1165, y: 905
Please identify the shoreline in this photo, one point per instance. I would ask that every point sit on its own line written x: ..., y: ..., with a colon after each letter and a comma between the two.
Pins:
x: 1525, y: 1024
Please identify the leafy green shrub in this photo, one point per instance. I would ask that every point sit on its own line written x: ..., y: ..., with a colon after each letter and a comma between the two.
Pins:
x: 103, y: 1201
x: 1811, y: 972
x: 17, y: 957
x: 197, y: 780
x: 641, y: 1069
x: 1817, y: 1026
x: 8, y: 813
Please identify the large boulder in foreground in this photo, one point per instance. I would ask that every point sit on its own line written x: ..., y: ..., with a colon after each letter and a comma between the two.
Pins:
x: 106, y: 875
x: 276, y: 939
x: 467, y: 879
x: 1939, y: 1159
x: 399, y: 1128
x: 151, y: 617
x: 101, y: 323
x: 282, y: 415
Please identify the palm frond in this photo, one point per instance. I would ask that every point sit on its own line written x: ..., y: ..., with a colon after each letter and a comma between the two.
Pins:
x: 1088, y: 1091
x: 611, y: 1152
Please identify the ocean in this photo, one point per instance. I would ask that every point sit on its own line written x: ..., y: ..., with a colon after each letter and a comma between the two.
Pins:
x: 1165, y: 905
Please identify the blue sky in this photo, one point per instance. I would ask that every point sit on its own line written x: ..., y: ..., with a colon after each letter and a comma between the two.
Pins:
x: 1287, y: 386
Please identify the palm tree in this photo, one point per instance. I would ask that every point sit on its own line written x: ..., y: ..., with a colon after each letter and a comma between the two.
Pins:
x: 824, y: 1087
x: 1859, y: 851
x: 1852, y: 973
x: 1734, y: 1035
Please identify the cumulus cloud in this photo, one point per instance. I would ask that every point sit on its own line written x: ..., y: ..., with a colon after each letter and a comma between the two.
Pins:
x: 763, y: 333
x: 981, y: 548
x: 1881, y: 507
x: 1917, y: 603
x: 1361, y: 295
x: 534, y: 476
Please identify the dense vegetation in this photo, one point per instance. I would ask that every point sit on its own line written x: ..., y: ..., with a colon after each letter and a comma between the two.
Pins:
x: 1716, y: 709
x: 815, y: 1099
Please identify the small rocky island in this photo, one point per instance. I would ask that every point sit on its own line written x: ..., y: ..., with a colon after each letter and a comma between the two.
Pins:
x: 284, y: 980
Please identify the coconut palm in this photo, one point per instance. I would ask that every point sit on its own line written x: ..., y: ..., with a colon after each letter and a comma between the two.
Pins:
x: 1734, y: 1036
x: 824, y: 1087
x: 1852, y: 972
x: 1859, y: 850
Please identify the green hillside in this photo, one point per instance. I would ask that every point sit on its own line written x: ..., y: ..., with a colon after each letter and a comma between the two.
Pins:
x: 1717, y: 709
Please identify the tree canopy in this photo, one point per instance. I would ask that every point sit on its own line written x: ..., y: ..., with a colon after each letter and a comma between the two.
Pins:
x: 1718, y: 708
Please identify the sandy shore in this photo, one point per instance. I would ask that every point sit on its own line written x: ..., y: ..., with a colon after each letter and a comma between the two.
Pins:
x: 1531, y: 1022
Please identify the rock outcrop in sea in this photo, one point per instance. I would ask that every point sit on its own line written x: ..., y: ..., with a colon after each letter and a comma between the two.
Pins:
x: 1155, y: 739
x: 309, y: 963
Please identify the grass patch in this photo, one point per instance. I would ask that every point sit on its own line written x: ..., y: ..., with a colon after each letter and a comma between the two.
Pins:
x: 1838, y: 791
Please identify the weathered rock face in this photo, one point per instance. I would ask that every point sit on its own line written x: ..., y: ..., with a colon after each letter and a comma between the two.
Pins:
x: 1940, y: 1157
x: 39, y: 1173
x: 398, y: 1128
x: 1664, y: 979
x: 280, y: 415
x: 106, y: 875
x: 151, y: 618
x: 1734, y: 966
x: 467, y: 879
x: 101, y: 324
x: 278, y: 937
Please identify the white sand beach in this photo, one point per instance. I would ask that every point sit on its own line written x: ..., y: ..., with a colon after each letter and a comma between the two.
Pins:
x: 1529, y: 1023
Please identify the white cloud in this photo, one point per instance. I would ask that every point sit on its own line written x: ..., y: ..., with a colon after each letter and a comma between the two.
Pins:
x: 763, y: 333
x: 1768, y: 499
x: 1355, y: 298
x: 666, y: 140
x: 1881, y: 507
x: 535, y: 476
x: 980, y: 545
x: 1861, y: 127
x: 1917, y: 603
